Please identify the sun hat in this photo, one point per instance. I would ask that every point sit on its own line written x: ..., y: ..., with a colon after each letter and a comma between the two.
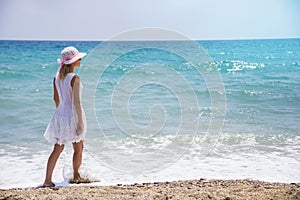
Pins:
x: 70, y: 55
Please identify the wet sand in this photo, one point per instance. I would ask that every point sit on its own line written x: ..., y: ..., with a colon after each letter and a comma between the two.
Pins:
x: 188, y: 189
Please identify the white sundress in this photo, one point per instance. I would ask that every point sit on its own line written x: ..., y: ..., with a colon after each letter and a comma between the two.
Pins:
x: 63, y: 124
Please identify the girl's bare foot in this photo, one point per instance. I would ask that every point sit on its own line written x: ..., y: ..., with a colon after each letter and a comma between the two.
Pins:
x: 51, y: 184
x: 79, y: 180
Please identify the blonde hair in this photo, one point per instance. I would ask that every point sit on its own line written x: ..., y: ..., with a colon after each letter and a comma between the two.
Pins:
x: 63, y: 71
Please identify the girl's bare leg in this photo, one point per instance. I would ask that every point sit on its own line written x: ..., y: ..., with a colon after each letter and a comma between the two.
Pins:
x: 51, y: 164
x: 77, y: 158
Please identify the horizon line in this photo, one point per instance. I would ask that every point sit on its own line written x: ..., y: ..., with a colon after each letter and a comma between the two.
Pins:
x: 133, y: 40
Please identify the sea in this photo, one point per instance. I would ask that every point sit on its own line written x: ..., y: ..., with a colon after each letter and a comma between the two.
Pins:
x: 157, y: 111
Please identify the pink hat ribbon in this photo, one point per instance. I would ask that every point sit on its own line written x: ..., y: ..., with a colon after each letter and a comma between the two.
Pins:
x: 60, y: 61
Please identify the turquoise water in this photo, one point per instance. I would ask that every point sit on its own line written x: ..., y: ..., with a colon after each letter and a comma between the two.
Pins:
x: 261, y: 84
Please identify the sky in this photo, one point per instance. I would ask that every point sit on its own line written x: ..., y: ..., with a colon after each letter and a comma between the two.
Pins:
x: 103, y: 19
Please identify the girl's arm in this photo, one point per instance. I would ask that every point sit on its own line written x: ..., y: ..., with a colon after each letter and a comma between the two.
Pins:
x: 55, y: 95
x: 76, y: 99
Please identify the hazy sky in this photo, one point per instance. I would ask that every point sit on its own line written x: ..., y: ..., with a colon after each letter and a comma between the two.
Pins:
x: 101, y: 19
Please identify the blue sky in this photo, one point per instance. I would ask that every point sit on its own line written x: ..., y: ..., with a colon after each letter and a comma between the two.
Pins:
x: 102, y: 19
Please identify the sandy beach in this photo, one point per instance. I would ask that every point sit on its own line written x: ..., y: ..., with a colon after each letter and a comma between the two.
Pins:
x: 188, y: 189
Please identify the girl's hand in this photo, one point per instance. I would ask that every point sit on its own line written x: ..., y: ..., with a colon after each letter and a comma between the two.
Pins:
x: 79, y: 129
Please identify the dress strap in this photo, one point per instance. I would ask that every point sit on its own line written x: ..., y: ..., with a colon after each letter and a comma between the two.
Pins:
x: 69, y: 77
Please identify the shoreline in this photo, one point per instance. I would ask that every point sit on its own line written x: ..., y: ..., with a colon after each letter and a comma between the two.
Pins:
x: 185, y: 189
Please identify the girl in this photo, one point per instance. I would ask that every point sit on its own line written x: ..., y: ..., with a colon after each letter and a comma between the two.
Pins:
x: 68, y: 121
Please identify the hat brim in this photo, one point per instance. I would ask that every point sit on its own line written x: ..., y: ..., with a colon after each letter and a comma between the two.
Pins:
x: 78, y: 56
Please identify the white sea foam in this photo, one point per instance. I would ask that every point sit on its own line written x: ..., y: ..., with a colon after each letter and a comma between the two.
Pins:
x: 21, y: 167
